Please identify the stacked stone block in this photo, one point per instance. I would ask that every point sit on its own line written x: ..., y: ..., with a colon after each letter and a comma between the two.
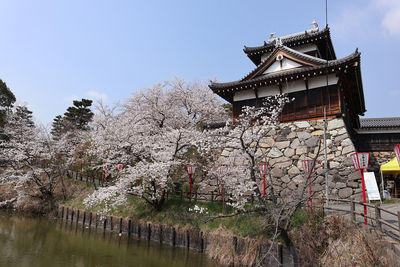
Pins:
x: 292, y: 142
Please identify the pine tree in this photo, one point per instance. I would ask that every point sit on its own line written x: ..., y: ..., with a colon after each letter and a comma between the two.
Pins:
x: 7, y: 99
x: 76, y: 117
x: 80, y: 114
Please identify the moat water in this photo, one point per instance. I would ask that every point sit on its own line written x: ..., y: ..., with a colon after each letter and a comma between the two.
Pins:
x: 27, y: 240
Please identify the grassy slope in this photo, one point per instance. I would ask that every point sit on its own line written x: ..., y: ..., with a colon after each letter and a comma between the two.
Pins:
x: 175, y: 212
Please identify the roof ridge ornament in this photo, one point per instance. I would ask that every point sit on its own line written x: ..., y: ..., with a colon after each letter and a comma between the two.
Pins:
x: 315, y: 25
x: 271, y: 37
x: 307, y: 32
x: 278, y: 42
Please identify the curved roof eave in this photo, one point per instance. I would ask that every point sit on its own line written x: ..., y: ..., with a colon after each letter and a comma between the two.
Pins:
x: 331, y: 63
x: 306, y: 37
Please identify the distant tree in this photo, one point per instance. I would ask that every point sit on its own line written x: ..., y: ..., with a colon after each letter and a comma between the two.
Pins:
x: 228, y: 108
x: 77, y: 117
x: 60, y: 126
x: 7, y: 99
x: 80, y: 114
x: 33, y: 164
x: 23, y: 113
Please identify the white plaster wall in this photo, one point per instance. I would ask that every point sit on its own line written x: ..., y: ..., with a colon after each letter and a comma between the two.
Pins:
x: 289, y: 64
x: 321, y: 81
x: 244, y: 95
x: 287, y: 87
x: 290, y: 87
x: 276, y: 66
x: 268, y: 90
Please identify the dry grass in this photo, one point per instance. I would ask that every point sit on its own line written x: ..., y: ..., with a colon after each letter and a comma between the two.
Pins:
x: 335, y: 241
x: 246, y: 251
x: 351, y: 246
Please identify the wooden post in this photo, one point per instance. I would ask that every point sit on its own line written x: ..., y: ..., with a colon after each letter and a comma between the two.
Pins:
x: 398, y: 218
x: 201, y: 242
x: 111, y: 223
x: 62, y: 213
x: 378, y: 217
x: 120, y: 225
x: 149, y: 232
x: 90, y: 219
x: 84, y: 217
x: 234, y: 241
x: 77, y: 216
x: 352, y: 208
x: 187, y: 239
x: 173, y: 236
x: 66, y: 217
x: 129, y: 227
x: 160, y: 234
x: 72, y: 216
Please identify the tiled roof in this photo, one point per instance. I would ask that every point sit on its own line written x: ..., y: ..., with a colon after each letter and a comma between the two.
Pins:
x: 331, y: 63
x: 391, y: 122
x: 288, y: 50
x: 299, y: 38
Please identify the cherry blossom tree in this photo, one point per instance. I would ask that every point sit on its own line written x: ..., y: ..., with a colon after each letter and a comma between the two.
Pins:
x: 243, y: 139
x: 154, y: 130
x: 240, y: 145
x: 33, y: 163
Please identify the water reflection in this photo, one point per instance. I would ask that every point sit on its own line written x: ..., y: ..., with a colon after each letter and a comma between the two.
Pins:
x: 37, y: 241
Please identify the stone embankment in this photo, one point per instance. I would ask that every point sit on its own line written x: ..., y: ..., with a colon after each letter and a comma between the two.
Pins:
x: 286, y: 146
x: 230, y: 248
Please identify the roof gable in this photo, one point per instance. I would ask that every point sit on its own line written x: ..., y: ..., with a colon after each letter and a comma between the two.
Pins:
x: 283, y: 59
x: 281, y: 65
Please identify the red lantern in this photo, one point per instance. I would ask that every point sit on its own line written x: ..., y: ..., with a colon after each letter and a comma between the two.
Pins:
x: 190, y: 169
x: 263, y: 167
x: 361, y: 162
x: 308, y: 165
x: 397, y: 152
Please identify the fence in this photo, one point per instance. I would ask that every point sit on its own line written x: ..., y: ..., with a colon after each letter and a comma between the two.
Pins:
x: 378, y: 213
x: 196, y: 196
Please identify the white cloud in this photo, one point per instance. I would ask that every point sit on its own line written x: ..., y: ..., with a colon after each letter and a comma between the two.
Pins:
x: 394, y: 92
x: 96, y: 95
x: 71, y: 98
x: 370, y: 18
x: 391, y: 16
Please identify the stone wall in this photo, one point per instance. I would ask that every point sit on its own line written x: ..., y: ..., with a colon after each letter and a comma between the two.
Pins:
x: 292, y: 142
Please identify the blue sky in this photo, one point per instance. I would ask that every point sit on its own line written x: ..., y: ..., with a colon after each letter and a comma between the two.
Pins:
x: 52, y: 52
